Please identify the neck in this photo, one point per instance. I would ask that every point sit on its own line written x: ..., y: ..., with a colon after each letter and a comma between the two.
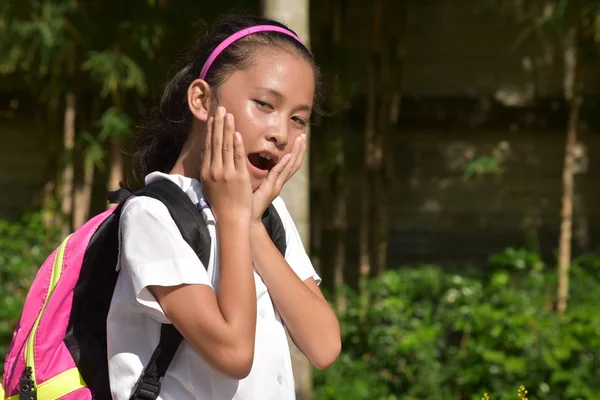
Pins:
x: 189, y: 161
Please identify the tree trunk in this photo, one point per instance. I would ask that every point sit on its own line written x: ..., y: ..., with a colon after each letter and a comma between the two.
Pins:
x: 381, y: 231
x: 339, y: 187
x: 318, y: 214
x: 49, y: 213
x: 87, y: 157
x: 83, y: 195
x: 69, y: 171
x: 53, y: 143
x: 380, y: 197
x: 573, y: 96
x: 339, y: 262
x: 365, y: 214
x: 393, y: 48
x: 295, y: 14
x: 369, y: 157
x: 116, y: 165
x: 582, y: 226
x: 340, y: 223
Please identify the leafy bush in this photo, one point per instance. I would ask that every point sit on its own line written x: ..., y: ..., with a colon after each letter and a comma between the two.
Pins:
x: 24, y: 246
x: 428, y: 333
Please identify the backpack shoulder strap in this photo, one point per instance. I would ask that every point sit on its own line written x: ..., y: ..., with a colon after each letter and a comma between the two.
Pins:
x: 193, y: 228
x: 187, y: 217
x: 272, y: 221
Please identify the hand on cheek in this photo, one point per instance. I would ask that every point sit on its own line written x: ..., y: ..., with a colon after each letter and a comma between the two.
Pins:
x: 270, y: 188
x: 224, y: 172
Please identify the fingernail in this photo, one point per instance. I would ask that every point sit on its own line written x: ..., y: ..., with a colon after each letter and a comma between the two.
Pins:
x: 229, y: 117
x: 221, y: 110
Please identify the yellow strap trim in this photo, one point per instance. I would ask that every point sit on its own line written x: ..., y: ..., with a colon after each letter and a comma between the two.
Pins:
x: 2, y: 394
x: 54, y: 388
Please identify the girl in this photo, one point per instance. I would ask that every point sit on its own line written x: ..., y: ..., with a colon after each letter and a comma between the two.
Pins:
x: 230, y: 133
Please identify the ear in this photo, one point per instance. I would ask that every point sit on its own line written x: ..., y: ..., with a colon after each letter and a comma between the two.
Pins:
x: 200, y: 99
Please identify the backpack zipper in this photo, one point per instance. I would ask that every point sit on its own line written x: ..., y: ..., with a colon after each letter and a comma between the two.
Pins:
x: 28, y: 378
x: 26, y: 387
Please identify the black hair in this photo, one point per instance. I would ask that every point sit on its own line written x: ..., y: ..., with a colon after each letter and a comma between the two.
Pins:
x: 161, y: 138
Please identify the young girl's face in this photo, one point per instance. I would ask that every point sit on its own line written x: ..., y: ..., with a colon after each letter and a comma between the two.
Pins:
x: 271, y: 103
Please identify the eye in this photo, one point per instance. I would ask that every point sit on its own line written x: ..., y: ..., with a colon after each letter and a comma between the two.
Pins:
x: 263, y: 104
x: 300, y: 121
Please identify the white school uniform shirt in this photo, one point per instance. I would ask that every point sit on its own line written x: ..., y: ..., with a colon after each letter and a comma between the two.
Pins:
x: 153, y: 252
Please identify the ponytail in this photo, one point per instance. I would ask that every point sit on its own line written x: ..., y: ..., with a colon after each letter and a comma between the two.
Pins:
x: 161, y: 138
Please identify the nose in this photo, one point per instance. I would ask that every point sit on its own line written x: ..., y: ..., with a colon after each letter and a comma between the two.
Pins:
x: 277, y: 133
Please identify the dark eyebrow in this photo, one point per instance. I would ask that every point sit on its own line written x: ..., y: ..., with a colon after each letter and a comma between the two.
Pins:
x: 303, y: 107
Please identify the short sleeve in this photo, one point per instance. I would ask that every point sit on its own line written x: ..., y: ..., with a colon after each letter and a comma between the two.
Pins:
x: 295, y: 253
x: 154, y: 253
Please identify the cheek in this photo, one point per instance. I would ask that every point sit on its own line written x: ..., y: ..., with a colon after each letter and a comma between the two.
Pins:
x: 249, y: 120
x: 291, y: 140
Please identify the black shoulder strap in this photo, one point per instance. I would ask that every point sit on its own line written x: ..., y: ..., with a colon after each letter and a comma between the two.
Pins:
x: 148, y: 385
x: 187, y: 217
x: 118, y: 196
x: 272, y: 221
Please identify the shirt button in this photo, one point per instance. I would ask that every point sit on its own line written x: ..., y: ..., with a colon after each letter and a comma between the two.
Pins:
x: 279, y: 378
x: 262, y: 312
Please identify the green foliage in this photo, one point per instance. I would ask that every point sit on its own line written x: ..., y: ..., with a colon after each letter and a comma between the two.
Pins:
x: 114, y: 124
x: 24, y: 245
x: 36, y: 41
x: 94, y: 151
x: 115, y: 72
x: 428, y: 333
x: 435, y: 334
x: 543, y: 18
x: 487, y: 164
x: 483, y: 165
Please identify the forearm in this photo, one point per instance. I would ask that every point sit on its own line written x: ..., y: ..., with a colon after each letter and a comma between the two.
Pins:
x: 221, y: 328
x: 311, y: 322
x: 237, y: 293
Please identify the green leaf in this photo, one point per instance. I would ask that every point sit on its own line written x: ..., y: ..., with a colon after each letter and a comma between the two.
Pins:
x: 114, y: 125
x: 94, y: 150
x: 115, y: 72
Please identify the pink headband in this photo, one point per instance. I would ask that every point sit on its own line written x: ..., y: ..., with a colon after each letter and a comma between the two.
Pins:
x: 238, y: 35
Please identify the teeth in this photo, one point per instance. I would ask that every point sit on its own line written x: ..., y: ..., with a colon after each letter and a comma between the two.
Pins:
x: 265, y: 156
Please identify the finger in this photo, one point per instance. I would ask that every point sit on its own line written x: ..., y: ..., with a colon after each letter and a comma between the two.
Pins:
x: 206, y: 151
x: 301, y: 154
x: 228, y: 132
x: 277, y: 170
x: 288, y: 171
x: 239, y: 153
x: 296, y: 164
x: 217, y: 139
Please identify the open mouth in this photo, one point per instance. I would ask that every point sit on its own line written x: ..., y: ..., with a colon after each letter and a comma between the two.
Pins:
x: 263, y: 161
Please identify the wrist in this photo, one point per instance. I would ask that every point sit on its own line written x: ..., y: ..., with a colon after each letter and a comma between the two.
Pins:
x: 256, y: 225
x: 234, y: 221
x: 257, y: 216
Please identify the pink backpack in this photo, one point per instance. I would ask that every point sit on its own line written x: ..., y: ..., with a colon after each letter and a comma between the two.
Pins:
x: 58, y: 350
